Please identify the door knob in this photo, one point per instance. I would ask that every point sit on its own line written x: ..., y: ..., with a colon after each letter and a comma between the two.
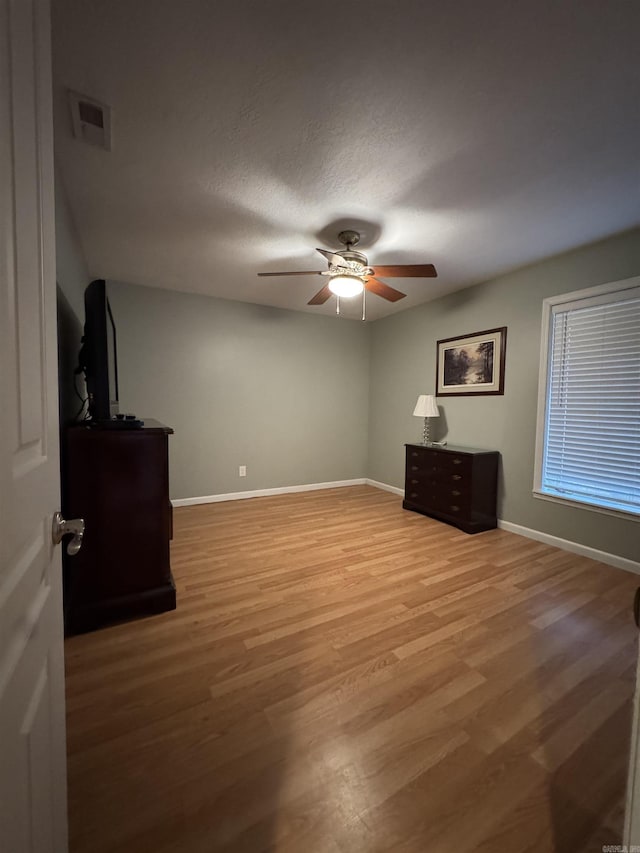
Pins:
x: 61, y: 527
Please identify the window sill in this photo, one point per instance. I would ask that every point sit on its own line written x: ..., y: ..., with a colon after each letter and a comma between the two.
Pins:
x: 616, y: 513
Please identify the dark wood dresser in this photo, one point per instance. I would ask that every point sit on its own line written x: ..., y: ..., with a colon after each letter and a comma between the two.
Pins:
x: 453, y: 484
x: 118, y: 481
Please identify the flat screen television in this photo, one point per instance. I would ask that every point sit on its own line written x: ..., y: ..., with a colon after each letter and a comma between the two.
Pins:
x: 99, y: 354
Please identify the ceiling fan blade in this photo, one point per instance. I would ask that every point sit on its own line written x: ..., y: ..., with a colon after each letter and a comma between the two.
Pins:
x: 299, y: 272
x: 336, y: 260
x: 406, y: 271
x: 382, y: 289
x: 321, y: 296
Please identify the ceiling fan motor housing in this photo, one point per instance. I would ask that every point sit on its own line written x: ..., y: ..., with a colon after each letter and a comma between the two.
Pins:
x: 349, y: 238
x: 356, y: 257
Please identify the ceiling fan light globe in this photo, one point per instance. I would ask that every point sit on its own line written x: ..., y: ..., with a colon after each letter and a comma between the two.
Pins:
x: 346, y: 285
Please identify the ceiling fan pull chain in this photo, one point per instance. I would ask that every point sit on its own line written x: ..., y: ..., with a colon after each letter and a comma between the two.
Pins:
x: 337, y: 305
x: 364, y: 313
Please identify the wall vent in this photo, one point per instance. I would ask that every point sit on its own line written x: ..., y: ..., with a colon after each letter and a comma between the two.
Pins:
x: 91, y: 120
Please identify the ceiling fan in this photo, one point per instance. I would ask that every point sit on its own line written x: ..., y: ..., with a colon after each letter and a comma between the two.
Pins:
x: 350, y: 274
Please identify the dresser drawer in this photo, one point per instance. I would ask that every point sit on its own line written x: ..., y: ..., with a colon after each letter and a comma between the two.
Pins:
x: 420, y: 453
x: 455, y: 479
x: 438, y: 492
x: 421, y: 459
x: 455, y: 492
x: 439, y: 481
x: 416, y: 468
x: 425, y: 459
x: 422, y: 494
x: 455, y: 463
x: 453, y: 503
x: 416, y: 475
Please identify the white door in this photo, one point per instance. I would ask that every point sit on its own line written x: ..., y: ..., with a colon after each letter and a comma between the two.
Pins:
x: 32, y: 734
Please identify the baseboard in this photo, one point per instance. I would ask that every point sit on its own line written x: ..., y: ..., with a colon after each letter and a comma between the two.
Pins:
x: 385, y: 487
x: 547, y: 538
x: 574, y: 547
x: 528, y: 532
x: 261, y: 493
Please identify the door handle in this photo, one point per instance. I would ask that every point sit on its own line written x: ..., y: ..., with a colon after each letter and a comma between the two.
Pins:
x: 61, y: 527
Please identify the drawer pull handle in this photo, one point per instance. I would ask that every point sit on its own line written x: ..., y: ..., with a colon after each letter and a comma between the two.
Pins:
x: 456, y: 477
x: 414, y: 482
x: 454, y: 508
x: 457, y: 461
x: 455, y: 492
x: 414, y: 453
x: 413, y: 495
x: 414, y: 468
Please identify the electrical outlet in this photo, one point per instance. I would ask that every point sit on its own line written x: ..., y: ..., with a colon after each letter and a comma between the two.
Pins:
x: 242, y: 471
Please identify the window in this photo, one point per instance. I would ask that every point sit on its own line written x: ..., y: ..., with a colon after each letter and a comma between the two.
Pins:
x: 588, y: 442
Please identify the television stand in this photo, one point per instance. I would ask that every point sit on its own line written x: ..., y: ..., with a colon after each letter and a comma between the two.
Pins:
x: 118, y: 481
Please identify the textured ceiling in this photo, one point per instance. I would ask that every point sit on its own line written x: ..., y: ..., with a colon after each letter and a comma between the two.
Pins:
x: 478, y: 136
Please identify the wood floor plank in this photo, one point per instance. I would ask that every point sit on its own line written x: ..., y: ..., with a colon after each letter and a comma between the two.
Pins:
x: 343, y: 676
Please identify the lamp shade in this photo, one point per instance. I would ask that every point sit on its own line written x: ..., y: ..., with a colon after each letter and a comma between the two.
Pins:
x: 426, y: 407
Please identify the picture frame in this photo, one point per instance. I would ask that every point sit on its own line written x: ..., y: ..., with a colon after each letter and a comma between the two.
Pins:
x: 471, y: 365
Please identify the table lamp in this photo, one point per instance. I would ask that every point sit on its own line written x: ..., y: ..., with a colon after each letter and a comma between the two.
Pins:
x: 426, y: 408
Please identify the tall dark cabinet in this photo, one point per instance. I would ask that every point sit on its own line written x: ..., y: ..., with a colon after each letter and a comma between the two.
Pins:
x: 118, y: 481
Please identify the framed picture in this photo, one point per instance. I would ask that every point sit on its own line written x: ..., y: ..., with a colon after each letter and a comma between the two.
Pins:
x: 471, y: 364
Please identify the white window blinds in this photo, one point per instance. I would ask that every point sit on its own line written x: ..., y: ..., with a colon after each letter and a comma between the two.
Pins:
x: 591, y: 450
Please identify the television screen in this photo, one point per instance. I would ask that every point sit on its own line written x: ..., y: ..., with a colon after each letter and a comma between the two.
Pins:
x: 99, y: 354
x: 113, y: 363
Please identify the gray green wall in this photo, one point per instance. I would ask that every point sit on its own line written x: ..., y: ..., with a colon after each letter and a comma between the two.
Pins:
x: 403, y: 365
x: 282, y: 392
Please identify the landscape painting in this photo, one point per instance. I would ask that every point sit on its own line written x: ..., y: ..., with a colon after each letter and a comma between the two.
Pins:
x: 472, y: 364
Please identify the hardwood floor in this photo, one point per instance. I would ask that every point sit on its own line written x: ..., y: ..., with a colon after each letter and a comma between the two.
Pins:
x: 343, y: 676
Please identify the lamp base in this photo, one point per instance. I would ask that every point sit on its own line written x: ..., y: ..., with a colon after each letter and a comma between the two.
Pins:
x: 425, y: 432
